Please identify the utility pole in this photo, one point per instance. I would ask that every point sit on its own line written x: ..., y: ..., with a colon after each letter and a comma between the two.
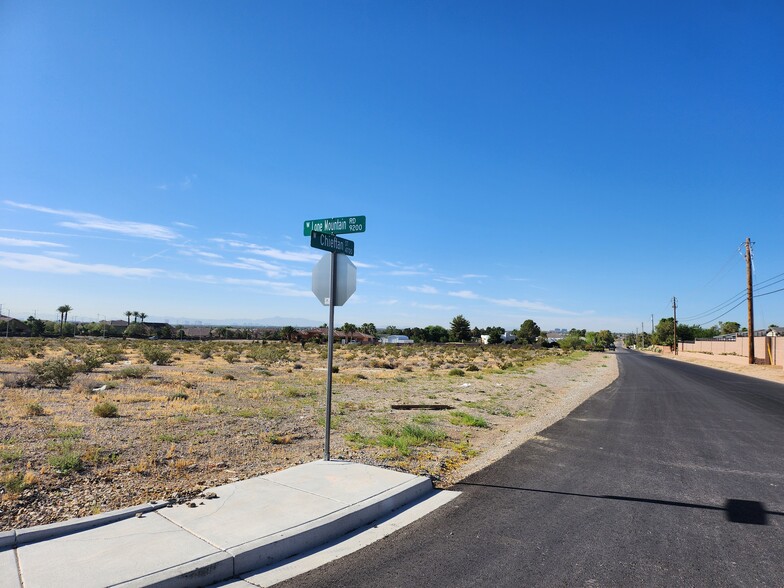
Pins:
x: 651, y: 325
x: 750, y: 295
x: 642, y: 332
x: 675, y: 325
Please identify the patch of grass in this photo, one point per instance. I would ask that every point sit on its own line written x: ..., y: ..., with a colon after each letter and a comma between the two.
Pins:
x: 70, y: 432
x: 423, y: 435
x: 178, y: 396
x: 134, y: 372
x: 472, y: 368
x: 169, y: 438
x: 456, y: 372
x: 281, y: 439
x: 409, y: 436
x: 229, y: 377
x: 34, y: 409
x: 10, y: 454
x: 67, y: 459
x: 457, y: 417
x: 246, y: 413
x: 424, y: 419
x: 297, y: 392
x: 489, y: 406
x: 15, y: 482
x: 358, y: 439
x: 106, y: 410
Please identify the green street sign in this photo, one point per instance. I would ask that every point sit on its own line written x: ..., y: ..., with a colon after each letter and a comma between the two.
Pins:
x: 332, y: 243
x: 336, y: 226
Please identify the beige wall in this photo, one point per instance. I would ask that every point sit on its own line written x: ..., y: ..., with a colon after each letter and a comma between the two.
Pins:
x: 767, y: 350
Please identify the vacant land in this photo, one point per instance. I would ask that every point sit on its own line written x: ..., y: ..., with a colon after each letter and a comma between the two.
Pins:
x: 142, y: 421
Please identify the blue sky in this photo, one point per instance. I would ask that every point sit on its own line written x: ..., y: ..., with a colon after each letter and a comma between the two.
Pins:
x: 574, y: 163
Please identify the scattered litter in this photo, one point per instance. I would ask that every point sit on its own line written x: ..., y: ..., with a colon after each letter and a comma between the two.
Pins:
x: 101, y: 389
x: 466, y: 385
x: 139, y: 515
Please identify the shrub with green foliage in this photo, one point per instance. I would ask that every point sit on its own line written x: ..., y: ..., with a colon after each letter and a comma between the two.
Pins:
x: 133, y: 372
x: 155, y: 354
x: 57, y: 371
x: 106, y: 410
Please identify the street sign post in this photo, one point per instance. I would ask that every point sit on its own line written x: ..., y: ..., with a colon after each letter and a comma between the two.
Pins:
x: 336, y: 226
x: 334, y: 281
x: 327, y: 242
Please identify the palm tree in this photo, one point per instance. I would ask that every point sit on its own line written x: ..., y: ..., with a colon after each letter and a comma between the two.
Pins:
x: 142, y: 316
x: 135, y: 315
x: 63, y: 310
x: 128, y: 314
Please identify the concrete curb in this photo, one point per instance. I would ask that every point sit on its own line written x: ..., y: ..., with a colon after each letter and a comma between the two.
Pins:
x: 203, y: 562
x: 283, y: 545
x: 43, y: 532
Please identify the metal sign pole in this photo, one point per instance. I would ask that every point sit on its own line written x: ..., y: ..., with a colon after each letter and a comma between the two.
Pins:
x: 330, y: 342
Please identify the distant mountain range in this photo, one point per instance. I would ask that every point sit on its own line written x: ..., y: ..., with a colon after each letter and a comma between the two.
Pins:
x: 275, y: 321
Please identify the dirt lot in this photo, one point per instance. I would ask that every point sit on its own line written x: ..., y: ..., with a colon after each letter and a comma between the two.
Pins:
x: 217, y: 412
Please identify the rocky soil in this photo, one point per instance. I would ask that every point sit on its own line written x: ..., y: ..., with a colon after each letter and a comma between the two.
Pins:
x: 224, y: 411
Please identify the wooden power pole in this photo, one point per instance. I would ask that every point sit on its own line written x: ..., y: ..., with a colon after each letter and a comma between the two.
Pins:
x: 674, y: 325
x: 750, y: 295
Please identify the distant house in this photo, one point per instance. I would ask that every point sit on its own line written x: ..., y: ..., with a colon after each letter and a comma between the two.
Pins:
x: 321, y: 334
x: 13, y: 327
x: 197, y: 332
x: 395, y: 340
x: 506, y: 337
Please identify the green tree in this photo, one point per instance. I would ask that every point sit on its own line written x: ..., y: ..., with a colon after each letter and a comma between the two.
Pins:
x: 368, y: 329
x: 662, y: 334
x: 460, y: 329
x: 528, y: 331
x: 128, y: 315
x: 37, y: 326
x: 135, y: 315
x: 63, y: 310
x: 605, y: 338
x: 135, y: 330
x: 142, y: 316
x: 494, y: 335
x: 729, y: 328
x: 349, y: 329
x: 434, y: 334
x: 288, y: 332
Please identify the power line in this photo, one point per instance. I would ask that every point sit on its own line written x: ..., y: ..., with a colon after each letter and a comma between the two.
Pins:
x: 760, y: 286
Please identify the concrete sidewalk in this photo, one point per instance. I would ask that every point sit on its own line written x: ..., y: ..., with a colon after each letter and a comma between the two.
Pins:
x: 245, y: 526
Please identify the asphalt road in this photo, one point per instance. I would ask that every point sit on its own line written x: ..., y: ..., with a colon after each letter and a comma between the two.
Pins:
x: 671, y: 476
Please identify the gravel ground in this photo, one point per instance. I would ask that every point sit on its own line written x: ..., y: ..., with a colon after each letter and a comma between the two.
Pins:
x: 226, y: 411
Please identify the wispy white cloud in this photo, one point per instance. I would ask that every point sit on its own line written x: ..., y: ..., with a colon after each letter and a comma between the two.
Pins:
x: 186, y: 183
x: 447, y: 280
x: 277, y: 288
x: 50, y: 265
x: 467, y: 294
x: 474, y: 276
x: 11, y: 242
x: 304, y: 255
x: 183, y: 225
x: 93, y: 222
x: 529, y: 305
x: 422, y: 289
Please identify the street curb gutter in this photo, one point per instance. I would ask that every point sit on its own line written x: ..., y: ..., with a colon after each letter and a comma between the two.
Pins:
x: 20, y: 537
x: 279, y: 546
